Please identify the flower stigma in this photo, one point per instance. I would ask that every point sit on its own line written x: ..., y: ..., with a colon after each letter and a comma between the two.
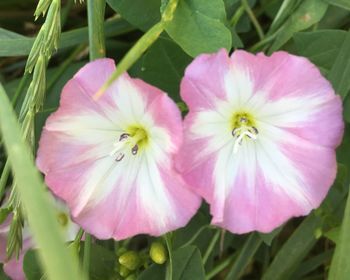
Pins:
x: 243, y: 127
x: 131, y: 141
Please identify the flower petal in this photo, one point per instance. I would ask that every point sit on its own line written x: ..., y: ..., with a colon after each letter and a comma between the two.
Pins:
x: 141, y: 193
x: 288, y: 169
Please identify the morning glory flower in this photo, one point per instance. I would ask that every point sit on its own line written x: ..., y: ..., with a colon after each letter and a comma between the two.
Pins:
x: 260, y: 137
x: 111, y: 159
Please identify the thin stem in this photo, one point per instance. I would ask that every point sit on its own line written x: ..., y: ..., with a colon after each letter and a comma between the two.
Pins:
x: 96, y: 12
x: 220, y: 267
x: 86, y: 258
x: 4, y: 177
x: 194, y: 237
x: 140, y: 47
x: 254, y: 20
x: 262, y: 43
x: 236, y: 16
x: 211, y: 246
x: 247, y: 252
x: 169, y: 270
x: 58, y: 73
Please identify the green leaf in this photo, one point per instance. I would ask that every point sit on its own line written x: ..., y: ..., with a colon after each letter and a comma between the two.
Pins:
x: 59, y: 263
x: 102, y: 262
x: 164, y: 54
x: 187, y: 262
x: 140, y: 13
x: 340, y: 268
x: 22, y: 46
x: 6, y: 34
x: 333, y: 234
x: 321, y: 47
x: 31, y: 265
x: 345, y: 4
x: 308, y: 13
x: 199, y: 27
x: 340, y: 72
x: 293, y: 250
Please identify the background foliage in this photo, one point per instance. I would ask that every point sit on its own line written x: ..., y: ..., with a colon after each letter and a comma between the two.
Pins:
x: 314, y: 247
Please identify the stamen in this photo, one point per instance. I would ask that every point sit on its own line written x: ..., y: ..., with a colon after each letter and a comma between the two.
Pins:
x: 119, y: 157
x: 240, y: 132
x: 134, y: 150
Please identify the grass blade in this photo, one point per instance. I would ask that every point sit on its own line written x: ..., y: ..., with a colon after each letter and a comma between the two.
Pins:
x: 58, y: 262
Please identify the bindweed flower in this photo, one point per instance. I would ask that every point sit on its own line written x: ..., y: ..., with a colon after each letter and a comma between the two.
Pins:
x: 111, y: 159
x: 260, y: 137
x: 14, y: 267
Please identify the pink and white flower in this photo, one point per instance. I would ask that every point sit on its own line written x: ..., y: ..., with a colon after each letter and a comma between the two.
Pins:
x: 260, y: 137
x: 111, y: 160
x: 14, y: 267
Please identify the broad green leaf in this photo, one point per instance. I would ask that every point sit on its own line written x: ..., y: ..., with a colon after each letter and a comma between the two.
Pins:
x: 293, y: 250
x: 31, y: 265
x: 340, y: 268
x: 163, y: 66
x: 187, y: 262
x: 140, y: 13
x: 7, y: 34
x: 59, y: 263
x: 308, y: 13
x: 340, y: 72
x: 345, y: 4
x: 199, y: 27
x: 22, y: 46
x: 347, y: 108
x: 102, y: 262
x: 154, y: 272
x: 333, y: 234
x: 321, y: 47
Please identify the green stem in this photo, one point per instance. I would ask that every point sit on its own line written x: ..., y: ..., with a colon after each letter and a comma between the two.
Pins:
x: 253, y: 19
x: 247, y: 252
x: 169, y: 269
x: 86, y: 258
x: 211, y: 246
x: 237, y: 15
x: 4, y: 177
x: 262, y: 43
x: 96, y: 12
x: 140, y: 47
x: 63, y: 67
x: 194, y: 237
x: 220, y: 267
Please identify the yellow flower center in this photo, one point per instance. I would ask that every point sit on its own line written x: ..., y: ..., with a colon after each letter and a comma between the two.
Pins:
x: 134, y: 139
x: 243, y: 126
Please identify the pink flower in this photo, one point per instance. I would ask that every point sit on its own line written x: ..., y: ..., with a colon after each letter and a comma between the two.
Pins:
x: 259, y: 137
x: 14, y: 267
x: 111, y: 160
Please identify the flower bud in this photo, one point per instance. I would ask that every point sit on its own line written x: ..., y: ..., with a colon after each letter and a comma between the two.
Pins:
x: 124, y: 271
x: 130, y: 260
x: 158, y: 253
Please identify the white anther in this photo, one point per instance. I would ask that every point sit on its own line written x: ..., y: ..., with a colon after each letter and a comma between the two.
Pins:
x: 240, y: 138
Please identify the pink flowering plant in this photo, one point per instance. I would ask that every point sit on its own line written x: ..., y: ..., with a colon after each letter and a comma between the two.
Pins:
x: 174, y: 139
